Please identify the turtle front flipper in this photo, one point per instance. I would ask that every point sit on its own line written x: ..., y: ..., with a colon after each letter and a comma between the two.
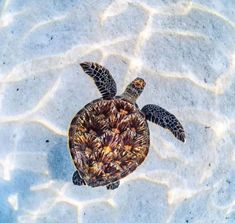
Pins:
x: 102, y: 77
x: 113, y: 185
x: 77, y: 180
x: 165, y: 119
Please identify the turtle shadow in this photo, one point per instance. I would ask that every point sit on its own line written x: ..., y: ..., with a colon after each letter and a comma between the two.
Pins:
x: 59, y: 162
x: 7, y: 213
x: 19, y: 187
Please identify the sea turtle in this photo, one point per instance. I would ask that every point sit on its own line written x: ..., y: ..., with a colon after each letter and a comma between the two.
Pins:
x: 109, y: 137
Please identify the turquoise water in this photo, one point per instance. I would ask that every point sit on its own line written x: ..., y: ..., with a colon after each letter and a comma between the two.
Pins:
x: 185, y: 52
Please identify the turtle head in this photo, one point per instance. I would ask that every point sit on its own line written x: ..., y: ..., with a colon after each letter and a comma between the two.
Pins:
x: 134, y: 89
x: 138, y: 84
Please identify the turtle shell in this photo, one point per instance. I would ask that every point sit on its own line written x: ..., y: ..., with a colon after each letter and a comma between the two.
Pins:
x: 108, y: 139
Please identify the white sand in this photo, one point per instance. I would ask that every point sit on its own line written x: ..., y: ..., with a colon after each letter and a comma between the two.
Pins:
x: 185, y: 50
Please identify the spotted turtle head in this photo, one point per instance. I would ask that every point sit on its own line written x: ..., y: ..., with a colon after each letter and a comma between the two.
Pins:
x: 134, y: 89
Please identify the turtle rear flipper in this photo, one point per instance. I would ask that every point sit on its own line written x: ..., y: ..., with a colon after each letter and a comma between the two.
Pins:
x: 102, y: 77
x: 165, y: 119
x: 77, y: 180
x: 113, y: 185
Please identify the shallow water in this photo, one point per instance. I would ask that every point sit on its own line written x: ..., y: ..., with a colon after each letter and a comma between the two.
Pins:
x: 183, y: 49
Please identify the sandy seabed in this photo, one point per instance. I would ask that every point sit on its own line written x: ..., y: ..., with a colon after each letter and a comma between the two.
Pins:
x: 185, y: 51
